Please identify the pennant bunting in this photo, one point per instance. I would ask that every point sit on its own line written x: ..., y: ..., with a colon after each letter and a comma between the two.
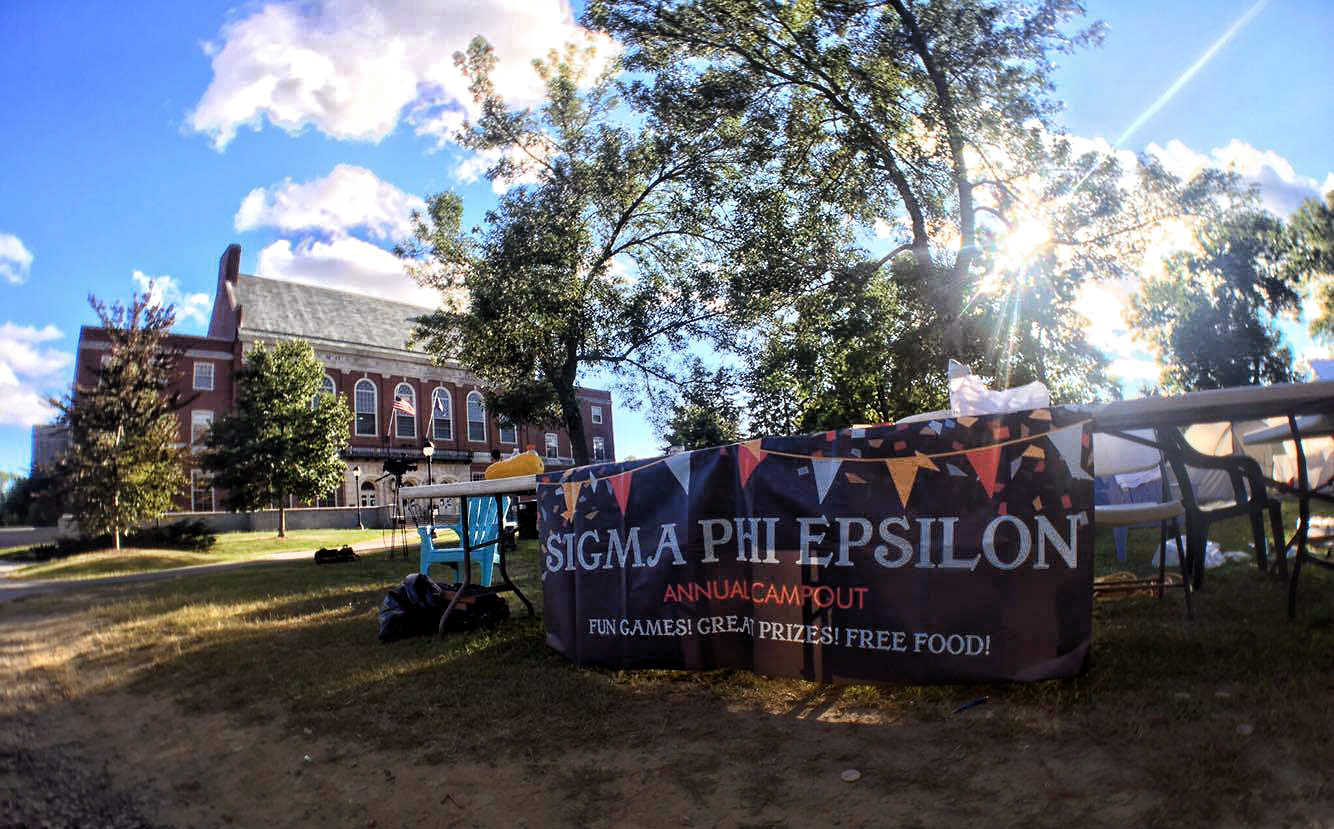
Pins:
x: 1035, y: 452
x: 985, y: 462
x: 1014, y: 466
x: 591, y: 515
x: 955, y: 471
x: 903, y: 471
x: 1069, y: 444
x: 748, y: 457
x: 620, y: 487
x: 966, y: 421
x: 854, y: 478
x: 825, y: 469
x: 934, y: 426
x: 593, y: 484
x: 857, y: 431
x: 571, y: 490
x: 1040, y: 414
x: 680, y: 466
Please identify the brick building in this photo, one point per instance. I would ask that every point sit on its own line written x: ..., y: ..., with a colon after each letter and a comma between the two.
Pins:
x: 362, y: 343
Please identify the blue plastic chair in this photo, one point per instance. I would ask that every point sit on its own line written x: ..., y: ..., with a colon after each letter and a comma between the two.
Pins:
x: 483, y: 524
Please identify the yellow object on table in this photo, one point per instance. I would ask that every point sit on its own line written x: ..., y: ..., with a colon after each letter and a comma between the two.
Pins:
x: 526, y: 463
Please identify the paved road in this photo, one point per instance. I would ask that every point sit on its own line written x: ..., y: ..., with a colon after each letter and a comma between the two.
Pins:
x: 12, y: 589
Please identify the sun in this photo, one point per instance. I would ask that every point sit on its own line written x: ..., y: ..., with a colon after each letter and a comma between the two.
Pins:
x: 1025, y: 240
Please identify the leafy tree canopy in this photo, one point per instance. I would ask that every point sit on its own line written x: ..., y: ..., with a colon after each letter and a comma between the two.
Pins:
x: 121, y: 468
x: 285, y: 435
x: 706, y: 414
x: 592, y: 261
x: 1311, y: 258
x: 925, y: 130
x: 1210, y: 317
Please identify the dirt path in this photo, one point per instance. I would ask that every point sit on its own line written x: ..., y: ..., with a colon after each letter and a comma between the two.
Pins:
x: 77, y: 753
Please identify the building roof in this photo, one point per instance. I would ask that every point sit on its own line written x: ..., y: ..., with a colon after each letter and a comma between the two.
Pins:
x: 282, y: 309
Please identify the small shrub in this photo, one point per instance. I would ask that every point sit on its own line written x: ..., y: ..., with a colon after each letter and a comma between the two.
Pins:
x: 179, y: 535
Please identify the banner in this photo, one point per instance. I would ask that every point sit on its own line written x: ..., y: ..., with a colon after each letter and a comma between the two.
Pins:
x: 957, y: 550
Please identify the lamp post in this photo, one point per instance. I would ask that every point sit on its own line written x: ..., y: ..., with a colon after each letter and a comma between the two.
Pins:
x: 356, y: 487
x: 428, y: 450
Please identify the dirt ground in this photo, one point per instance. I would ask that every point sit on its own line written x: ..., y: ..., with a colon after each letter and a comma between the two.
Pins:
x: 72, y: 754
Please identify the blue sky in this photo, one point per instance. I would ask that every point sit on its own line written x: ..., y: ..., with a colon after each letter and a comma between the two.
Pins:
x: 129, y: 145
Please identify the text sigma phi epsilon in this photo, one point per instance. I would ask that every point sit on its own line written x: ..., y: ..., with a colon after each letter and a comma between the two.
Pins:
x: 1008, y: 542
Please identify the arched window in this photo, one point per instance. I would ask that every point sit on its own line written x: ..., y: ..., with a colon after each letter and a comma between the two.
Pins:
x: 442, y: 415
x: 405, y: 411
x: 327, y: 387
x: 367, y: 494
x: 476, y: 418
x: 367, y: 420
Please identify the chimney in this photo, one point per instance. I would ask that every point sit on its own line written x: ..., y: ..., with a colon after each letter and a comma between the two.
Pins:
x: 230, y: 264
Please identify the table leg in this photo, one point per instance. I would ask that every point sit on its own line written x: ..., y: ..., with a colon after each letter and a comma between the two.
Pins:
x: 467, y: 564
x: 504, y: 573
x: 1304, y: 516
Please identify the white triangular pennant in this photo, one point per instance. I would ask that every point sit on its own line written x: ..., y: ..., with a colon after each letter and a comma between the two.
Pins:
x: 680, y: 466
x: 1069, y: 444
x: 934, y: 426
x: 955, y: 471
x: 825, y: 469
x: 1014, y: 467
x: 593, y: 484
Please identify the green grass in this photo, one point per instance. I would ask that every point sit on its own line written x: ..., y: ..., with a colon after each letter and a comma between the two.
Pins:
x: 1162, y: 694
x: 241, y: 546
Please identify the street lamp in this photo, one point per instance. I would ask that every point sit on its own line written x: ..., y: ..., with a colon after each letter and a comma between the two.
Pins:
x: 428, y: 450
x: 356, y: 493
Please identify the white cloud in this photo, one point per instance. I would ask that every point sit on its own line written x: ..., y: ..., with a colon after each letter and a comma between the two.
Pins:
x: 29, y: 371
x: 347, y: 264
x: 353, y: 69
x: 165, y: 290
x: 349, y: 197
x: 15, y: 259
x: 1282, y: 189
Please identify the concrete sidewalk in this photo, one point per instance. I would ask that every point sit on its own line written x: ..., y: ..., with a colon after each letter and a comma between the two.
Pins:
x: 13, y: 589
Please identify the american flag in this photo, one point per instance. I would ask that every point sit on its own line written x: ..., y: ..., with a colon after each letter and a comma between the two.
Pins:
x: 404, y: 406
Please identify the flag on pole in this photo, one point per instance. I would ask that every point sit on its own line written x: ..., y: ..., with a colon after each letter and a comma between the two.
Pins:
x: 404, y: 406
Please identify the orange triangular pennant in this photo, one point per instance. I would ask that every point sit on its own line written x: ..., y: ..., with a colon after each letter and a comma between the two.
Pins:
x: 571, y: 496
x: 748, y: 458
x: 1035, y: 452
x: 903, y: 471
x: 620, y: 487
x: 985, y: 462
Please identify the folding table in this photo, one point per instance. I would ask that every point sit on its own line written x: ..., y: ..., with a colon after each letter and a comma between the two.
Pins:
x: 472, y: 489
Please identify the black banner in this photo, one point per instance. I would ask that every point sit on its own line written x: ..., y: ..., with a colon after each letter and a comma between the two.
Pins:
x: 957, y: 550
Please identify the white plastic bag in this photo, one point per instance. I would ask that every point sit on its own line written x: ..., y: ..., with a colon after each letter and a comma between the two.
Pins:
x: 970, y: 396
x: 1214, y: 556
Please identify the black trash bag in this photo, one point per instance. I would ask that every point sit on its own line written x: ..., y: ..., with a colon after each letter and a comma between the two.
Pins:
x: 326, y: 556
x: 413, y: 608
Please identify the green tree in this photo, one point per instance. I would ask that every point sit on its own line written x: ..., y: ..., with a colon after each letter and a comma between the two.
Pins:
x: 590, y: 262
x: 706, y: 414
x: 285, y: 435
x: 1209, y: 319
x: 32, y: 499
x: 121, y: 468
x: 1310, y: 258
x: 931, y: 126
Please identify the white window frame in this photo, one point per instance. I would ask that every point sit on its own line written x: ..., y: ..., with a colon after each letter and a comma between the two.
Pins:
x: 552, y: 445
x: 195, y: 475
x: 481, y: 404
x: 599, y: 448
x: 211, y: 373
x: 375, y: 408
x: 504, y: 427
x: 198, y: 416
x: 440, y: 392
x: 595, y: 414
x: 407, y: 391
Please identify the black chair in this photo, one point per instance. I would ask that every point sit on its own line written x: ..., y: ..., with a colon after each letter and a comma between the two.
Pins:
x: 1250, y: 498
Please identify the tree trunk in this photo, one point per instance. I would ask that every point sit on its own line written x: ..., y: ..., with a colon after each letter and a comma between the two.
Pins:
x: 115, y: 538
x: 574, y: 422
x: 282, y: 516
